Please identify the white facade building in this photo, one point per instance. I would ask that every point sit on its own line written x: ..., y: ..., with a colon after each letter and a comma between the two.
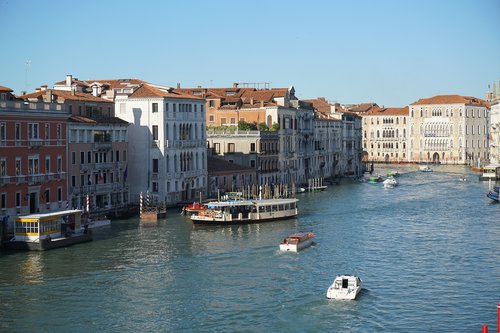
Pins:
x: 449, y: 129
x: 167, y: 142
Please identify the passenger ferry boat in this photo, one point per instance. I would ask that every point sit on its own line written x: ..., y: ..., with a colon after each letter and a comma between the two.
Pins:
x: 345, y: 287
x: 297, y: 242
x: 246, y: 211
x: 194, y: 207
x: 48, y: 230
x: 490, y: 172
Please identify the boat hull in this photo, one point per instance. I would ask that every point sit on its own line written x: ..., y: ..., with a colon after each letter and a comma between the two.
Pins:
x: 46, y: 244
x: 219, y: 221
x: 343, y: 294
x: 296, y: 247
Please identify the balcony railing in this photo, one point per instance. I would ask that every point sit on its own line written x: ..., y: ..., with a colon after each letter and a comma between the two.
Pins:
x: 101, y: 146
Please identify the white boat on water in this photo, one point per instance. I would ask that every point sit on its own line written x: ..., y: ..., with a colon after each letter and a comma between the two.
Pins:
x: 296, y: 242
x: 345, y: 287
x: 98, y: 222
x: 425, y: 168
x: 246, y: 211
x: 390, y: 182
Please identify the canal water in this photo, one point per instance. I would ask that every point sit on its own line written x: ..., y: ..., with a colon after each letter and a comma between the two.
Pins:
x: 428, y: 252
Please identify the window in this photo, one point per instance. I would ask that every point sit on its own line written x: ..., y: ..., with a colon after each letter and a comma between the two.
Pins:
x: 3, y: 201
x: 230, y: 147
x: 47, y: 196
x: 124, y: 155
x: 222, y: 121
x: 59, y: 132
x: 59, y: 163
x: 47, y: 164
x: 33, y: 165
x: 155, y: 132
x: 18, y: 199
x: 73, y: 157
x: 155, y: 107
x: 89, y: 157
x: 252, y: 147
x: 18, y: 166
x: 59, y: 194
x: 47, y: 131
x: 211, y: 118
x: 18, y: 132
x: 3, y: 133
x: 155, y: 187
x: 252, y: 163
x: 211, y: 103
x: 155, y: 165
x: 33, y: 131
x: 3, y: 167
x: 73, y: 181
x: 117, y: 156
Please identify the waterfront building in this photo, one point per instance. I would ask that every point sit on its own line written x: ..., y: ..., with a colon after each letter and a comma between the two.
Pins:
x: 33, y: 169
x: 96, y: 148
x: 449, y: 129
x: 167, y: 139
x: 494, y: 134
x: 385, y: 134
x: 227, y: 176
x: 276, y: 109
x: 337, y: 140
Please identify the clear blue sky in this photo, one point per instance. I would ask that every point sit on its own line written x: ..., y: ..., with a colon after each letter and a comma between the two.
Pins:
x: 383, y: 51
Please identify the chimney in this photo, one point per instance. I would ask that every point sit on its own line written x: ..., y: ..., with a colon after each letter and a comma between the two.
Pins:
x: 73, y: 91
x: 251, y: 100
x: 261, y: 103
x: 69, y: 79
x: 23, y: 93
x: 235, y: 85
x: 38, y: 89
x: 43, y: 88
x: 94, y: 91
x: 178, y: 85
x: 49, y: 96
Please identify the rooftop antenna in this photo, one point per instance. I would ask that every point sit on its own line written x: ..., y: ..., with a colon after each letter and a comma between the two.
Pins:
x: 28, y: 64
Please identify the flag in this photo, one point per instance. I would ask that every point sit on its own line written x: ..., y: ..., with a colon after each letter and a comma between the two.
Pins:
x: 125, y: 174
x: 101, y: 177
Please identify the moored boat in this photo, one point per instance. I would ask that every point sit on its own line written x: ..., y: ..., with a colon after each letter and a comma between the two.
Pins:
x: 194, y: 207
x: 98, y: 222
x: 246, y: 211
x: 490, y: 172
x: 49, y: 230
x: 296, y: 242
x: 345, y: 287
x: 393, y: 174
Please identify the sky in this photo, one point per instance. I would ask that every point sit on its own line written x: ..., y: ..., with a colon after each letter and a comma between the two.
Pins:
x: 384, y: 51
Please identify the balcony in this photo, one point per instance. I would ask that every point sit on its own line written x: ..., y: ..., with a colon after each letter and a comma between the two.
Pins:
x: 101, y: 146
x: 103, y: 166
x: 35, y: 143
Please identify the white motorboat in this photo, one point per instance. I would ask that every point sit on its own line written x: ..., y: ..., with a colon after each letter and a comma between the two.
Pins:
x: 98, y: 222
x: 345, y: 287
x: 297, y: 241
x: 390, y: 182
x: 425, y: 168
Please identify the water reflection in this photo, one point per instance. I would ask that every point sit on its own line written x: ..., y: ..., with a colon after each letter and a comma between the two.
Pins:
x: 31, y: 268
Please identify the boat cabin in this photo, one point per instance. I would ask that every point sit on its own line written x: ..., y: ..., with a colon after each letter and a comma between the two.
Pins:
x: 37, y: 227
x: 491, y: 171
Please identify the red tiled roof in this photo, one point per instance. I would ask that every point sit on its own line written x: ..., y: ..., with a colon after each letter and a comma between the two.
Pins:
x: 363, y: 107
x: 67, y: 95
x: 452, y: 99
x: 73, y: 80
x: 145, y: 90
x: 388, y: 112
x: 118, y: 83
x: 2, y: 88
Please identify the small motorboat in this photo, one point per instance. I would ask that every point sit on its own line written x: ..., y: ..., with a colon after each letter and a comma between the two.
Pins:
x: 425, y: 168
x: 98, y: 221
x: 195, y: 207
x: 297, y: 242
x: 393, y: 174
x: 390, y: 182
x: 493, y: 194
x: 374, y: 179
x: 462, y: 179
x: 345, y: 287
